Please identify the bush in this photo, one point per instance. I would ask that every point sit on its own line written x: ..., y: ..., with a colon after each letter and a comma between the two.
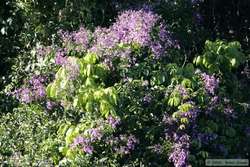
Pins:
x: 124, y: 95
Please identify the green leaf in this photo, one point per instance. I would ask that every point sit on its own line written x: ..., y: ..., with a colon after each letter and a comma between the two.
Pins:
x: 174, y: 101
x: 89, y: 106
x: 63, y: 129
x: 233, y: 62
x: 184, y: 120
x: 185, y: 107
x: 90, y: 82
x: 90, y: 58
x: 106, y: 108
x: 186, y: 83
x: 203, y: 154
x: 48, y: 90
x: 68, y: 135
x: 198, y: 60
x: 89, y: 69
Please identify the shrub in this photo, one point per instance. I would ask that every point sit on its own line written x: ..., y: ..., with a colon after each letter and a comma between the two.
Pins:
x: 118, y: 96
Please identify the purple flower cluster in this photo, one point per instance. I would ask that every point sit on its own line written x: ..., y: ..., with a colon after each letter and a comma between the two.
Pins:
x: 37, y: 84
x: 24, y: 95
x: 113, y: 122
x: 129, y: 141
x: 84, y: 143
x: 80, y: 37
x: 147, y: 99
x: 35, y: 91
x: 60, y: 57
x: 168, y: 120
x: 192, y: 114
x: 50, y: 105
x: 123, y: 144
x: 43, y: 51
x: 213, y: 103
x: 134, y: 27
x: 94, y: 134
x: 211, y: 83
x: 65, y: 36
x: 228, y: 110
x: 182, y: 90
x: 180, y: 152
x: 181, y: 141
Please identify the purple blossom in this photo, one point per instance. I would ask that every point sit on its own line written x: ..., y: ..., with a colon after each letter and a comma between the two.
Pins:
x: 85, y: 143
x: 163, y: 41
x: 113, y: 121
x: 157, y: 49
x: 95, y: 134
x: 79, y: 140
x: 168, y: 120
x: 214, y: 100
x: 35, y: 90
x: 147, y: 99
x: 43, y: 51
x: 182, y: 90
x: 64, y: 35
x: 127, y: 144
x: 133, y: 27
x: 211, y: 83
x: 229, y: 111
x: 179, y: 157
x: 39, y: 92
x: 60, y: 58
x: 131, y: 142
x: 37, y: 80
x: 180, y: 150
x: 81, y: 37
x: 37, y: 86
x: 25, y: 95
x: 212, y: 104
x: 88, y: 149
x: 191, y: 114
x: 50, y: 105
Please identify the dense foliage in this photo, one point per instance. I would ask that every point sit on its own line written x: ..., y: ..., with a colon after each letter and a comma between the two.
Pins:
x: 144, y: 88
